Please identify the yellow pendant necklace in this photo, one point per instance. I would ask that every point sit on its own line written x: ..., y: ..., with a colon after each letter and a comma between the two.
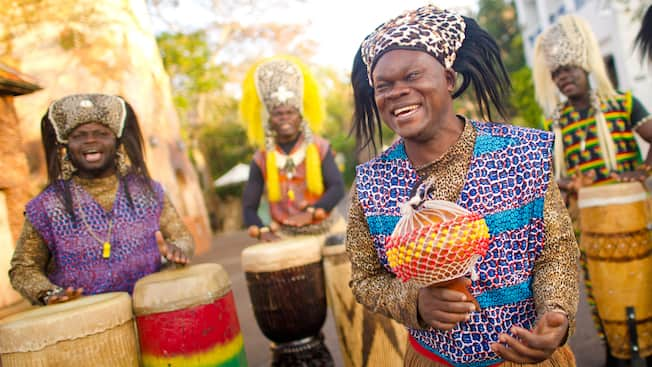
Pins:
x: 106, y: 245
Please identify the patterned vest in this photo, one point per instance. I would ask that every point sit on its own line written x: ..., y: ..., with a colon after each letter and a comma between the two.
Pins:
x: 506, y: 183
x: 77, y: 255
x: 581, y: 132
x: 296, y: 183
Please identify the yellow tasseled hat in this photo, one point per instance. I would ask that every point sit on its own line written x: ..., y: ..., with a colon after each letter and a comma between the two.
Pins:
x: 282, y: 80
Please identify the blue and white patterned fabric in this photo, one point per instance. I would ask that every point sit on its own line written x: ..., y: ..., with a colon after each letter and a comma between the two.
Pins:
x: 506, y: 183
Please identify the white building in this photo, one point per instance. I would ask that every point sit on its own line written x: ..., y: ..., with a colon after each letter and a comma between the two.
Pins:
x: 615, y: 24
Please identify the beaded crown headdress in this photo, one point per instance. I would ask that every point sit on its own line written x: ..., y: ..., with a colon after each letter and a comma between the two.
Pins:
x: 282, y: 80
x: 71, y: 111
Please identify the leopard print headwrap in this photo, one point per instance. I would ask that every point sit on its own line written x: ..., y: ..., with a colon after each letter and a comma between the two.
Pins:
x: 69, y: 112
x: 436, y: 31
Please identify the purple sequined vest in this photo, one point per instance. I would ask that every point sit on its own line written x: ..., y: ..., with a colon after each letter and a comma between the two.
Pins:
x: 77, y: 255
x: 506, y: 183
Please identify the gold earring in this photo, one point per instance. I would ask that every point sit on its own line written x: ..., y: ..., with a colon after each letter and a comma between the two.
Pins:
x: 66, y: 168
x: 122, y: 161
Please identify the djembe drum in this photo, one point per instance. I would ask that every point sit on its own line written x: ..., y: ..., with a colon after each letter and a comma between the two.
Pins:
x: 286, y: 286
x: 187, y: 317
x: 616, y: 240
x: 90, y: 331
x: 366, y: 339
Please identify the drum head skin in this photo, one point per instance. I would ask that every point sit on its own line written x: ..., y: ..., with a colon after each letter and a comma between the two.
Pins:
x: 176, y: 289
x: 614, y: 194
x: 41, y: 327
x: 613, y: 209
x: 281, y: 255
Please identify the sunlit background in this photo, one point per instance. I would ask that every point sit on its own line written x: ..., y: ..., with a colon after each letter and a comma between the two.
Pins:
x: 180, y: 64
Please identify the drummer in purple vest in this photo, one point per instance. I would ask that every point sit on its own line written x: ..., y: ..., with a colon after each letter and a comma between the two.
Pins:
x: 101, y: 223
x: 407, y: 73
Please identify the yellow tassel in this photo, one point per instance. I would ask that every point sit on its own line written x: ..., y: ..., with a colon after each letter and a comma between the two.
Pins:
x: 314, y: 179
x: 273, y: 184
x: 251, y: 109
x: 313, y: 108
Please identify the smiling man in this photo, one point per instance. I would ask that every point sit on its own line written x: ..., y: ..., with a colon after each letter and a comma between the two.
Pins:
x: 282, y: 108
x: 407, y: 74
x: 101, y: 223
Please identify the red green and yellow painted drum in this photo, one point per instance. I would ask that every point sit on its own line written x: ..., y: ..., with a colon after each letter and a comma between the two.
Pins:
x: 187, y: 317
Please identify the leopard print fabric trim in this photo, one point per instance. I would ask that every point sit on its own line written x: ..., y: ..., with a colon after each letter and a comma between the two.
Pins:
x: 436, y: 31
x: 69, y: 112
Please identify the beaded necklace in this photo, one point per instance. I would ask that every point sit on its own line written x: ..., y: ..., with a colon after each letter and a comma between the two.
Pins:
x: 106, y: 245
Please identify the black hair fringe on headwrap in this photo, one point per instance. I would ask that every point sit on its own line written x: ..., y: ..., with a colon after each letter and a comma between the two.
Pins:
x: 133, y: 142
x: 644, y: 37
x: 51, y: 148
x: 366, y: 118
x: 479, y: 63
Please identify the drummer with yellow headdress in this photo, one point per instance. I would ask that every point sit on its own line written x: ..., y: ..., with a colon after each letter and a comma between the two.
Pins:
x: 282, y: 108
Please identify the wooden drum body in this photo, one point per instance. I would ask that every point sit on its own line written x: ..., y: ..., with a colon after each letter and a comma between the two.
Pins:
x: 286, y: 286
x: 366, y: 339
x: 618, y: 246
x: 90, y: 331
x: 187, y: 317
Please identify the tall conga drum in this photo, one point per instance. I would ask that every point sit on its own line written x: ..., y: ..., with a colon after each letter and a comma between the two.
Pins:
x: 187, y: 317
x: 366, y: 339
x: 90, y: 331
x: 618, y: 247
x: 286, y: 286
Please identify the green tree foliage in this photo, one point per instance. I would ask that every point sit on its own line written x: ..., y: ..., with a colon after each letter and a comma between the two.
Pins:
x: 498, y: 17
x: 338, y: 100
x: 203, y: 88
x: 224, y: 143
x: 523, y: 101
x: 187, y: 59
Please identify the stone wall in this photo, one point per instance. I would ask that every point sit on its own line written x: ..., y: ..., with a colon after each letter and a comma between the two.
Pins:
x: 106, y: 46
x: 15, y: 191
x: 14, y: 173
